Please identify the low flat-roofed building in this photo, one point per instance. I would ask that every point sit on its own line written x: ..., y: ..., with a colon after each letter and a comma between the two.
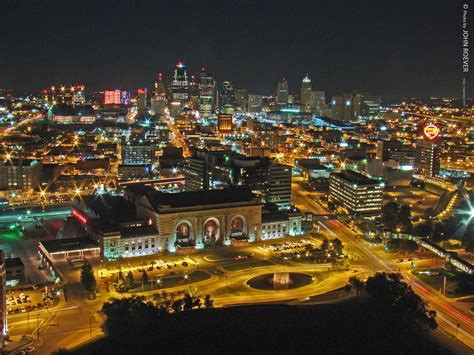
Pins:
x: 15, y: 271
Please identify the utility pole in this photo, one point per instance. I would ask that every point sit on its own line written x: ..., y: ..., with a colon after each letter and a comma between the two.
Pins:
x: 90, y: 324
x: 444, y: 285
x: 37, y: 327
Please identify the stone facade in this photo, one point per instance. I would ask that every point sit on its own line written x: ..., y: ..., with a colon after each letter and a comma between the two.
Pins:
x: 221, y: 220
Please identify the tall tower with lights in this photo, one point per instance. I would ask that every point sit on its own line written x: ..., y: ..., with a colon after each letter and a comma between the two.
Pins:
x: 207, y: 92
x: 306, y: 89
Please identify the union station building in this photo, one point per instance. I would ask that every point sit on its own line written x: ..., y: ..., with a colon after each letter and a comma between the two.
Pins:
x: 146, y: 221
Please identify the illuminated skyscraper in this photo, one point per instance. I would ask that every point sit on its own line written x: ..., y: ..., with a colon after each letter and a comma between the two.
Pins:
x: 306, y: 89
x: 282, y: 92
x: 141, y: 100
x: 158, y: 99
x: 207, y: 92
x: 180, y: 85
x: 242, y: 98
x: 227, y: 97
x: 427, y: 158
x: 318, y: 102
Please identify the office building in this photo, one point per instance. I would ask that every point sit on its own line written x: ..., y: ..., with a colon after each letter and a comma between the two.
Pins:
x: 179, y: 89
x: 427, y: 158
x: 20, y: 173
x: 224, y: 123
x: 255, y: 103
x: 305, y: 96
x: 318, y: 103
x: 356, y: 193
x: 158, y: 100
x: 141, y: 100
x: 227, y: 101
x: 388, y: 149
x: 282, y: 92
x: 207, y: 92
x: 279, y: 186
x: 137, y: 154
x: 241, y: 99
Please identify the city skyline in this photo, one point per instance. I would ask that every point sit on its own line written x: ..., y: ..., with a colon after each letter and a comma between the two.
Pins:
x: 364, y: 48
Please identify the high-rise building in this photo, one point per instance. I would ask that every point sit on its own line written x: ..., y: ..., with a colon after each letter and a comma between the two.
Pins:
x: 224, y: 123
x: 387, y: 149
x: 427, y: 158
x: 279, y: 186
x: 255, y: 103
x: 141, y: 100
x: 305, y: 97
x: 193, y: 93
x: 207, y: 92
x: 282, y: 92
x: 356, y: 193
x: 20, y: 174
x: 318, y: 102
x: 158, y: 99
x: 227, y: 101
x: 346, y: 107
x: 179, y: 89
x: 242, y: 99
x: 137, y: 154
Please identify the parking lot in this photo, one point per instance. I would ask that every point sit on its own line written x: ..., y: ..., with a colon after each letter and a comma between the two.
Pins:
x: 31, y: 299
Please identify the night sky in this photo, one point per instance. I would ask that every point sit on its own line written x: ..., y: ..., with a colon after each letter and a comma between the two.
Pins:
x: 395, y: 48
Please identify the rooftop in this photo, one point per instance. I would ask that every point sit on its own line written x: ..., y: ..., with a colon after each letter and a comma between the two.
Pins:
x: 355, y: 178
x: 160, y: 199
x: 67, y: 245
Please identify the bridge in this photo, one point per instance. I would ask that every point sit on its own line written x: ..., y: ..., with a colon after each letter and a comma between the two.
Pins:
x: 450, y: 257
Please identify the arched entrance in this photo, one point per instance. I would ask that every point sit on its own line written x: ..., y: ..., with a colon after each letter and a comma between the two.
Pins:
x: 212, y: 233
x: 237, y: 228
x: 184, y: 235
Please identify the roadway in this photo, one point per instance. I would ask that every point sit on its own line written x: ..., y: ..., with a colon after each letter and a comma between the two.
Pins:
x: 448, y: 315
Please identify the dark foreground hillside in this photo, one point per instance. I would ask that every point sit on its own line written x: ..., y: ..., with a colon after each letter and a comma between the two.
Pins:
x: 350, y: 327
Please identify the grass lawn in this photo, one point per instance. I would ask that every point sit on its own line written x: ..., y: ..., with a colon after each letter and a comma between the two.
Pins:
x: 171, y: 281
x: 225, y: 255
x: 458, y: 284
x: 243, y: 265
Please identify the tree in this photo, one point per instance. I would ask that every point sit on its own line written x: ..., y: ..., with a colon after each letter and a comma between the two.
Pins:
x: 404, y: 217
x: 145, y: 278
x: 429, y: 213
x: 208, y: 302
x: 390, y: 214
x: 177, y: 306
x: 197, y: 303
x: 129, y: 280
x: 187, y: 302
x: 120, y: 285
x: 87, y: 277
x: 397, y: 301
x: 337, y: 245
x: 325, y: 244
x: 357, y: 284
x: 423, y: 230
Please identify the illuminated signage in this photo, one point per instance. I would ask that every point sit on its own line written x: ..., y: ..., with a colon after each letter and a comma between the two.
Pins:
x: 431, y: 131
x: 79, y: 216
x: 116, y: 97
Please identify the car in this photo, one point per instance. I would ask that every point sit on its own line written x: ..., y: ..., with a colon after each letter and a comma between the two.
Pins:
x: 184, y: 263
x: 400, y: 261
x: 30, y: 349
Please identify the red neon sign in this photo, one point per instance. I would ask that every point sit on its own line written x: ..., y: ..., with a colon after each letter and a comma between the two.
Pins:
x: 431, y: 131
x: 79, y: 216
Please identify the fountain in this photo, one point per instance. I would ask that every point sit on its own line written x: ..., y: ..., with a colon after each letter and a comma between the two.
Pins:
x: 280, y: 281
